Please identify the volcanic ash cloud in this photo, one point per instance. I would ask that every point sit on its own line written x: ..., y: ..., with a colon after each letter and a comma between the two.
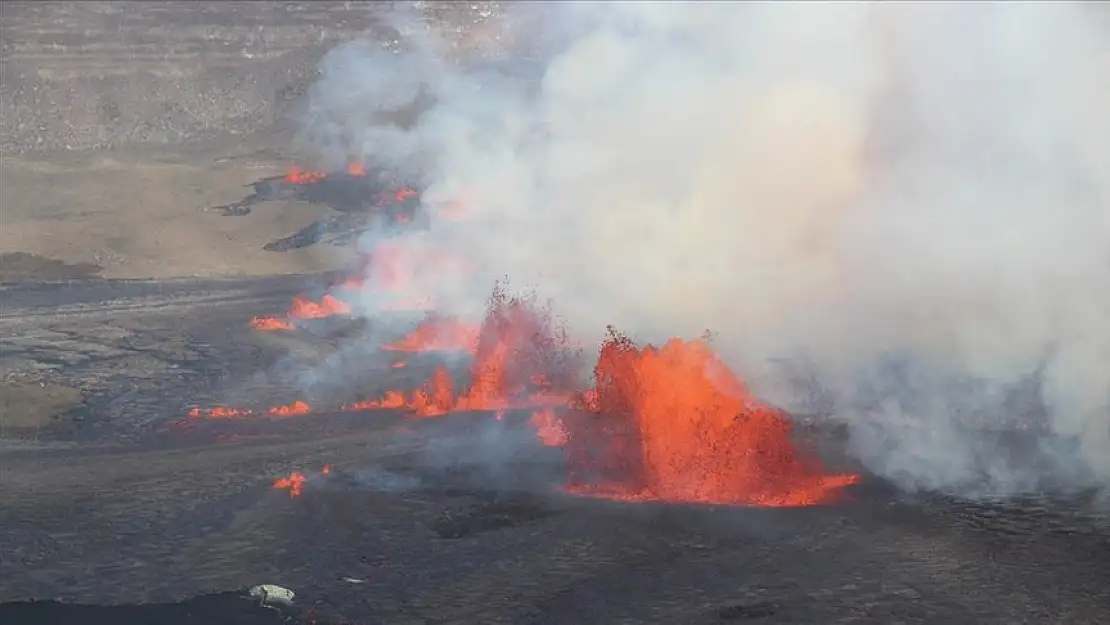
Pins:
x: 895, y: 214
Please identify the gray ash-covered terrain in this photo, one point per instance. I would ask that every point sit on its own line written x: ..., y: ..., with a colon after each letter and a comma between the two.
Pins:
x: 105, y: 74
x: 125, y: 304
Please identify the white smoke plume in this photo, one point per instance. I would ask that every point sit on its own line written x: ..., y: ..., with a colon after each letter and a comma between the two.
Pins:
x: 905, y: 205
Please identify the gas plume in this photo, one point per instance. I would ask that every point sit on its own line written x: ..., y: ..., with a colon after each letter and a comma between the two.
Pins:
x: 896, y: 216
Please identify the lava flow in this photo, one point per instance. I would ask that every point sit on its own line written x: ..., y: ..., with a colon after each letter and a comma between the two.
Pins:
x: 328, y: 306
x: 304, y: 308
x: 296, y: 175
x: 219, y: 412
x: 293, y: 409
x: 271, y: 324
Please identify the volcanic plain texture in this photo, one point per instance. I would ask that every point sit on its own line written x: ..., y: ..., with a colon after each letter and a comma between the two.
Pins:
x: 123, y: 124
x: 183, y: 415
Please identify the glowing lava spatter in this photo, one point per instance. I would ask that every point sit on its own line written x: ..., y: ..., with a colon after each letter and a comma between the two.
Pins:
x: 290, y: 410
x: 438, y: 334
x: 295, y: 482
x: 395, y: 196
x: 219, y: 412
x: 293, y: 409
x: 271, y: 324
x: 296, y: 175
x: 303, y: 308
x: 520, y: 360
x: 550, y: 429
x: 328, y: 306
x: 676, y: 425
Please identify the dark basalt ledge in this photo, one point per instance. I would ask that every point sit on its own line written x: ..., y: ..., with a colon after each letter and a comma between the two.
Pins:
x: 226, y: 608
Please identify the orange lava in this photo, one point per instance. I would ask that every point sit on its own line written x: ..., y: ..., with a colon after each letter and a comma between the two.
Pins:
x: 303, y: 308
x: 550, y: 429
x: 438, y: 334
x: 395, y: 196
x: 435, y: 398
x: 517, y: 363
x: 296, y: 175
x: 328, y: 306
x: 678, y: 426
x: 669, y: 424
x: 520, y: 358
x: 270, y: 324
x: 290, y: 410
x: 295, y: 408
x: 219, y: 412
x: 294, y: 483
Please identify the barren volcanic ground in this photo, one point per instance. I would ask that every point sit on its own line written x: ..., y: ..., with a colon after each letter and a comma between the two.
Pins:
x: 125, y: 303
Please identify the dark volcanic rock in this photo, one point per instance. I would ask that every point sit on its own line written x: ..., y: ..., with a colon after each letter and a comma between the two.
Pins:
x: 228, y: 608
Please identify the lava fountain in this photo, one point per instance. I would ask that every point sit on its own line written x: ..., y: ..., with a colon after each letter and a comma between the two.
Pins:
x: 674, y: 424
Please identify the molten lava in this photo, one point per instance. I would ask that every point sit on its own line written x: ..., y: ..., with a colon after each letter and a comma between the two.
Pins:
x: 271, y: 324
x: 328, y: 306
x: 518, y: 362
x: 674, y: 424
x: 293, y: 409
x: 437, y: 334
x: 550, y: 429
x: 219, y: 412
x: 395, y: 196
x: 294, y: 483
x: 303, y: 308
x: 296, y: 175
x: 290, y: 410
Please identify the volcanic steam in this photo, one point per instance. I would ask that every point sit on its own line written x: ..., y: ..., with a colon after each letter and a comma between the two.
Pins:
x: 895, y: 216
